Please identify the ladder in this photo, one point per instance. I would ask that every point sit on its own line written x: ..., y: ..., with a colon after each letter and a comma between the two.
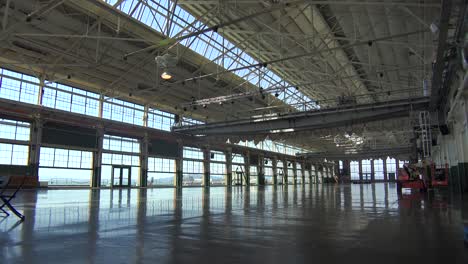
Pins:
x: 425, y: 133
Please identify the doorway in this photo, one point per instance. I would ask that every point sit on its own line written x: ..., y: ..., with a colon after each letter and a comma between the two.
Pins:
x: 121, y: 176
x: 366, y: 177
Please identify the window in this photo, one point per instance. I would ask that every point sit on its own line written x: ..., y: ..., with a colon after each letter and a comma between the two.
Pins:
x: 161, y: 171
x: 253, y: 175
x: 299, y: 173
x: 120, y: 151
x: 14, y: 130
x: 366, y: 170
x: 65, y: 166
x: 65, y: 158
x: 192, y: 153
x: 12, y: 154
x: 290, y: 172
x: 210, y: 45
x: 71, y: 99
x: 238, y: 174
x: 217, y: 173
x: 122, y: 144
x: 280, y: 172
x: 122, y: 111
x: 237, y: 158
x: 18, y: 87
x: 307, y: 176
x: 160, y: 120
x: 218, y: 156
x: 378, y: 170
x: 192, y: 172
x: 391, y: 165
x: 354, y: 166
x: 402, y: 162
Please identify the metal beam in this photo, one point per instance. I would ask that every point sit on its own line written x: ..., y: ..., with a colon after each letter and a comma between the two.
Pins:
x: 441, y: 49
x: 364, y: 154
x: 309, y: 120
x: 345, y: 3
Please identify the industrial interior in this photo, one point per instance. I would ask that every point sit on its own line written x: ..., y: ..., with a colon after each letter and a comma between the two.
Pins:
x: 233, y: 131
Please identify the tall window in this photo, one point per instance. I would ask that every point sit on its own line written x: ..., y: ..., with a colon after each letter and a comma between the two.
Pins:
x: 378, y: 170
x: 312, y: 170
x: 366, y: 169
x: 253, y: 175
x: 192, y: 166
x: 354, y: 166
x: 299, y: 173
x: 280, y: 171
x: 217, y: 173
x: 120, y: 151
x: 391, y: 168
x: 290, y: 173
x: 217, y: 168
x: 238, y: 169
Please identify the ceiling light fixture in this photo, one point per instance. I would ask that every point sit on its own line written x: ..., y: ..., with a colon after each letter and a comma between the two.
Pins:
x: 166, y: 75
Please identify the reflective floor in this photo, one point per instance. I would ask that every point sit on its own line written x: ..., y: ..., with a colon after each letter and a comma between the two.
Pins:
x: 302, y: 224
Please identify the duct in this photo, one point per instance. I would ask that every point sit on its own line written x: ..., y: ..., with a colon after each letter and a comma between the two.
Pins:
x: 308, y: 120
x: 371, y: 153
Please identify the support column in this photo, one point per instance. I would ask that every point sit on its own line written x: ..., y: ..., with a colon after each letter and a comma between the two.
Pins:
x: 303, y: 172
x: 179, y: 163
x: 40, y: 95
x: 247, y: 168
x: 372, y: 175
x: 294, y: 165
x: 206, y: 166
x: 285, y: 172
x: 385, y: 169
x: 396, y: 168
x: 324, y: 173
x: 316, y: 173
x: 360, y: 170
x: 97, y: 158
x: 310, y: 174
x: 35, y: 141
x: 228, y: 154
x: 144, y: 161
x: 274, y: 167
x: 261, y: 170
x: 347, y: 169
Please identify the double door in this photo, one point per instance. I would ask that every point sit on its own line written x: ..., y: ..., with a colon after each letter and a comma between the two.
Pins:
x: 121, y: 176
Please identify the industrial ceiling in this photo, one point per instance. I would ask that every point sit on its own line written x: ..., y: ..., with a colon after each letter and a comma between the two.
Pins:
x: 297, y: 56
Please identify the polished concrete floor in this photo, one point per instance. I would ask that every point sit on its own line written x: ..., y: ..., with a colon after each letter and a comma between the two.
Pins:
x: 302, y: 224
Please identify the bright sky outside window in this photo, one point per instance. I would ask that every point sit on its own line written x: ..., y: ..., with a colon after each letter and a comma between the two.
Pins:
x: 210, y: 45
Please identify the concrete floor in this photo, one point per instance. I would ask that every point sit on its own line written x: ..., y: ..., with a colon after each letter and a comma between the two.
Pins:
x: 303, y: 224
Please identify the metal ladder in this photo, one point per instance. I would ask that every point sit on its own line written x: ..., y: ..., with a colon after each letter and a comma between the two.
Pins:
x: 425, y: 133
